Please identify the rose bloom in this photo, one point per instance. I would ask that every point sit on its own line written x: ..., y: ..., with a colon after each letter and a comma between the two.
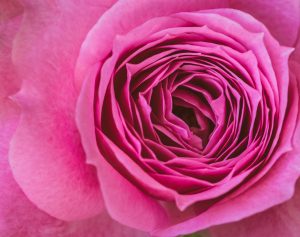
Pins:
x: 149, y: 118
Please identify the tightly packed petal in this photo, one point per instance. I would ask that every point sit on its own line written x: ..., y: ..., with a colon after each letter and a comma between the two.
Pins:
x: 187, y: 114
x: 281, y: 220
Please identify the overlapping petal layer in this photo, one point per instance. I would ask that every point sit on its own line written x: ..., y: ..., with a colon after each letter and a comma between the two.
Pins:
x: 189, y: 111
x: 192, y: 113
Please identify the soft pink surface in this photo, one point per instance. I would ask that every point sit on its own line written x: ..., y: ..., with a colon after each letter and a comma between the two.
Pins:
x: 19, y: 217
x: 280, y: 16
x: 55, y: 172
x: 281, y: 220
x: 10, y: 20
x: 46, y: 156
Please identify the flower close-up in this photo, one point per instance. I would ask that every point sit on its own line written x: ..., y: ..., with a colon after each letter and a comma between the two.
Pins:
x: 153, y: 118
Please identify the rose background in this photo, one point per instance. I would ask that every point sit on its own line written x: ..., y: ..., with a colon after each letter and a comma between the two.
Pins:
x: 40, y: 44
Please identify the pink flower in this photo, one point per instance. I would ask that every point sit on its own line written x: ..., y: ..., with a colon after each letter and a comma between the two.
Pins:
x: 149, y: 118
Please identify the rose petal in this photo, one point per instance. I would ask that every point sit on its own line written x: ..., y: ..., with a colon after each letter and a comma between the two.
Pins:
x: 144, y: 213
x: 18, y: 216
x: 282, y: 220
x: 281, y: 17
x: 46, y: 156
x: 296, y: 53
x: 93, y: 52
x: 124, y: 16
x: 92, y: 57
x: 11, y: 16
x: 272, y: 189
x: 21, y: 218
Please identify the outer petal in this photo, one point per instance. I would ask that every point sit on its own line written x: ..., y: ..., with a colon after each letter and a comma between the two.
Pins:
x: 281, y: 17
x: 296, y: 54
x: 46, y: 156
x: 18, y: 216
x: 282, y: 220
x: 121, y: 18
x: 10, y: 19
x: 21, y: 218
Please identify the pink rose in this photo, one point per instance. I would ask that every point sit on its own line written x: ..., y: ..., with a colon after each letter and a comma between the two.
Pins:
x: 149, y: 118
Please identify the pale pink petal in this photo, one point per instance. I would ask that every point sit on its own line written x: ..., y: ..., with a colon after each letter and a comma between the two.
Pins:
x: 91, y: 57
x: 99, y: 226
x: 296, y: 53
x: 279, y: 221
x: 11, y: 16
x: 46, y: 156
x: 21, y: 218
x: 280, y: 17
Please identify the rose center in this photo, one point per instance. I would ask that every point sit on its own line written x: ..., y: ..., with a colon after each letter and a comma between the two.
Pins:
x: 187, y: 115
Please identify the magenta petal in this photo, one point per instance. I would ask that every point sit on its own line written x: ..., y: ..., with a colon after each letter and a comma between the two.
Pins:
x: 46, y: 155
x: 50, y: 168
x: 21, y: 218
x: 144, y: 213
x: 267, y: 188
x: 99, y: 226
x: 272, y: 189
x: 127, y: 204
x: 296, y: 53
x: 11, y: 17
x: 119, y: 146
x: 281, y: 17
x: 279, y: 221
x: 123, y: 17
